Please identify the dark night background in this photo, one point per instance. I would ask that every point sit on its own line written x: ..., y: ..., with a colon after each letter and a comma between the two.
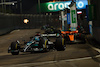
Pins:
x: 28, y: 6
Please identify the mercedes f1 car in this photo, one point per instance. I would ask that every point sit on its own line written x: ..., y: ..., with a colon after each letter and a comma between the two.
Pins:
x: 37, y: 43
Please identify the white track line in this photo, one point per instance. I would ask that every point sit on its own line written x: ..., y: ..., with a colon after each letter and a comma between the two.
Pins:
x: 95, y: 48
x: 49, y: 62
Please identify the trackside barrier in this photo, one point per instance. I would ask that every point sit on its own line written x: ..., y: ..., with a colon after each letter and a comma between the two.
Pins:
x: 9, y: 22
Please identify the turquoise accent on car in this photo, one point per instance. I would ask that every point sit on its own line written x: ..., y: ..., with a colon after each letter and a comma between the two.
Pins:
x: 28, y: 43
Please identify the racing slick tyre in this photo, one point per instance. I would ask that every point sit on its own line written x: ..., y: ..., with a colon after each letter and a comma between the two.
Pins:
x: 47, y: 47
x: 15, y: 48
x: 44, y: 44
x: 60, y: 44
x: 81, y: 38
x: 41, y: 43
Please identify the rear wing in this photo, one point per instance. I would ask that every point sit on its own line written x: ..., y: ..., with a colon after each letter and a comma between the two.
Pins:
x: 67, y: 32
x: 50, y: 35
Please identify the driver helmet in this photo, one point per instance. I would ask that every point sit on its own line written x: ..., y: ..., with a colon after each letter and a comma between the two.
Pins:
x: 37, y: 38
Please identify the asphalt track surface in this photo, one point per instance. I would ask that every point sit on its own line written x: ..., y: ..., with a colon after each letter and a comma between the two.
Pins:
x: 72, y: 51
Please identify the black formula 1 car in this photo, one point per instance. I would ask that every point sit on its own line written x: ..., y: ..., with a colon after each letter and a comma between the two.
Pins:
x: 52, y: 32
x: 37, y: 43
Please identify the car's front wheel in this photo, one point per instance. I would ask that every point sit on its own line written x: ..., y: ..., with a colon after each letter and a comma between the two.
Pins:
x: 15, y: 48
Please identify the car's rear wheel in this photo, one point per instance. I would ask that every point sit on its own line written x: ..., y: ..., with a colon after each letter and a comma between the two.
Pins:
x: 60, y: 44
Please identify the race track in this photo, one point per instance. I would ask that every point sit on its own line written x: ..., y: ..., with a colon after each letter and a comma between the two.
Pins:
x: 72, y: 51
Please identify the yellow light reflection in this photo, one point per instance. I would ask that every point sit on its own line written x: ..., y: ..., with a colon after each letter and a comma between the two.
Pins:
x: 26, y: 21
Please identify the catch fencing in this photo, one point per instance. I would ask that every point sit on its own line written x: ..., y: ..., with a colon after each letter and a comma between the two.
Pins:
x: 9, y: 22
